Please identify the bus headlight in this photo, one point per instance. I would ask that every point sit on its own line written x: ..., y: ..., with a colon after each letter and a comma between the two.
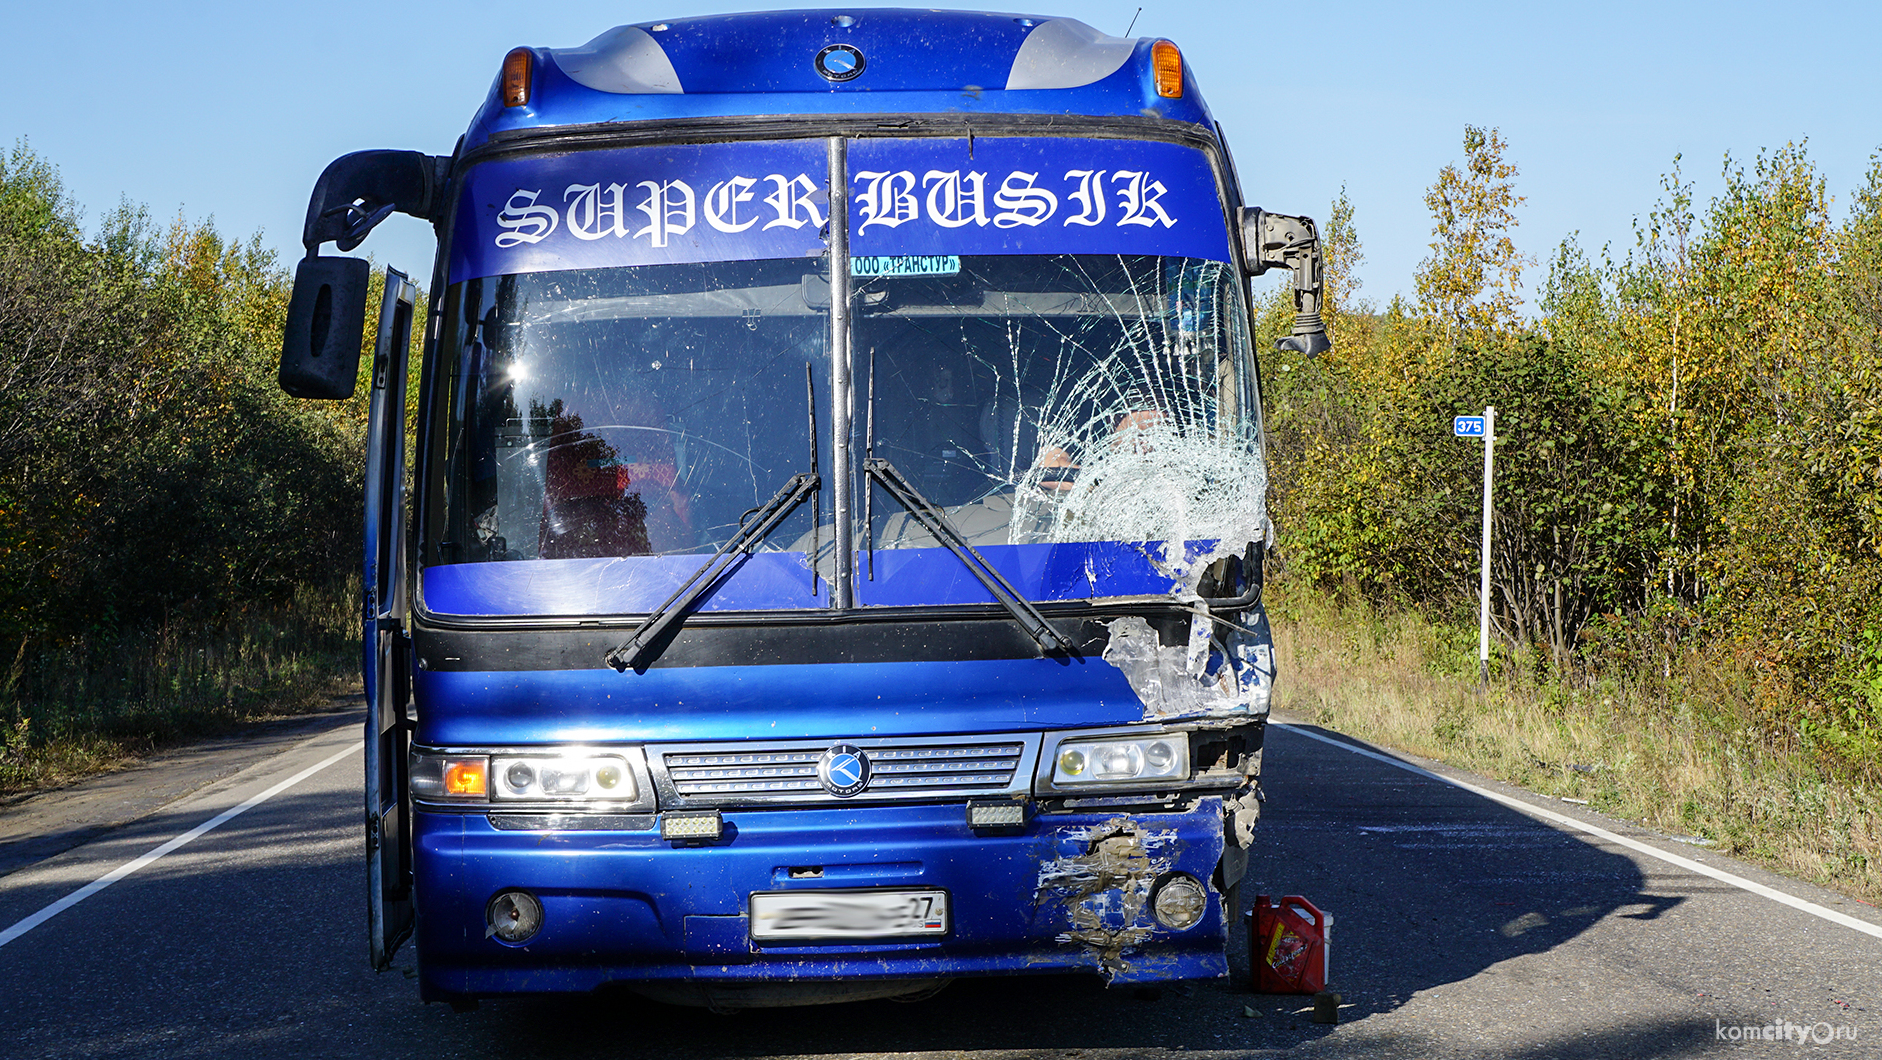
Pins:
x: 1121, y: 760
x: 563, y: 778
x: 575, y: 777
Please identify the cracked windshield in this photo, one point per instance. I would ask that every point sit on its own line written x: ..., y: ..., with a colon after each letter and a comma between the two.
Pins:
x: 628, y: 418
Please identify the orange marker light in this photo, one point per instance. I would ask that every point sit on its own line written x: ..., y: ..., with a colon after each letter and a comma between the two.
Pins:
x: 519, y: 64
x: 465, y: 777
x: 1167, y: 62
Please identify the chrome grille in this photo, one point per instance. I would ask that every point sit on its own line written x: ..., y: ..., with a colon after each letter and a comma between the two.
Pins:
x: 898, y: 769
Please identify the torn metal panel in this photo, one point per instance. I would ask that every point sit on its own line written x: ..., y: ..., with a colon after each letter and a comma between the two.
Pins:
x: 1103, y: 880
x: 1226, y: 669
x: 1100, y: 885
x: 1242, y: 813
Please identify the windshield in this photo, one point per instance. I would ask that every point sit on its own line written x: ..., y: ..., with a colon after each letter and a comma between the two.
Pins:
x: 609, y: 414
x: 1059, y: 398
x: 1087, y: 420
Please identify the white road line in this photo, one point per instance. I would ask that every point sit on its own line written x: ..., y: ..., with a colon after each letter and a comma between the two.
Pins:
x: 129, y: 867
x: 1670, y: 858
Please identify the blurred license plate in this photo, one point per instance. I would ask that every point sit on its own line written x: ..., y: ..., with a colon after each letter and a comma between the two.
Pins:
x: 848, y: 914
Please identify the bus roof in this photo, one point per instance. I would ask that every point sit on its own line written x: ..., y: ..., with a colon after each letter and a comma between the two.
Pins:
x: 839, y: 62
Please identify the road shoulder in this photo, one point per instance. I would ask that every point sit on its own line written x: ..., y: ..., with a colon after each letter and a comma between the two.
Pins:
x: 51, y: 823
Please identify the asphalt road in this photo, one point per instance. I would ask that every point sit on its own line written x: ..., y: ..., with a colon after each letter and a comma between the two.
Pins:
x: 1464, y: 928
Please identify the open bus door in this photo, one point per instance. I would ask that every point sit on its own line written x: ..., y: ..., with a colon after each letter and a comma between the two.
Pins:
x: 388, y: 678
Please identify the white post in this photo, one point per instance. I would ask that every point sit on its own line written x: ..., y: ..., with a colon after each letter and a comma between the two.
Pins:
x: 1483, y: 610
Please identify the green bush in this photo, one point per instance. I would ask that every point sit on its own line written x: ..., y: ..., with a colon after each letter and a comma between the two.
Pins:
x: 158, y: 493
x: 1689, y: 450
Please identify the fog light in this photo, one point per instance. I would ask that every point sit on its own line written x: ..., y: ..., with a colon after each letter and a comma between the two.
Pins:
x: 1179, y: 902
x: 1002, y: 813
x: 514, y: 916
x: 705, y: 825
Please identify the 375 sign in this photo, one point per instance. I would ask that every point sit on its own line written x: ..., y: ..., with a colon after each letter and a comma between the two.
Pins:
x: 1483, y: 427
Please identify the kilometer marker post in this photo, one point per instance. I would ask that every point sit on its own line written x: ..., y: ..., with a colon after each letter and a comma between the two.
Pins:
x: 1484, y: 427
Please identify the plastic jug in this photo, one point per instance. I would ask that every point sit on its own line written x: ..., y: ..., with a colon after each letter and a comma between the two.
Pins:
x: 1288, y: 945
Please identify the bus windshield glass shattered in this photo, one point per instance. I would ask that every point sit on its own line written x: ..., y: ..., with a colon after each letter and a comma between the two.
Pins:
x: 642, y: 411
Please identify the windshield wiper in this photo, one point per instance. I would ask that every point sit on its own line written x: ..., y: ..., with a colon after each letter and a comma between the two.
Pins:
x: 653, y: 633
x: 936, y: 521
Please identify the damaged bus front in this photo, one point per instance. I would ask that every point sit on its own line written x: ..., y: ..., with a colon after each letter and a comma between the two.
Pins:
x: 835, y: 559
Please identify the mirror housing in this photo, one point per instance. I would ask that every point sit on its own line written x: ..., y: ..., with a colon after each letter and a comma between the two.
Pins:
x: 326, y: 320
x: 1273, y: 240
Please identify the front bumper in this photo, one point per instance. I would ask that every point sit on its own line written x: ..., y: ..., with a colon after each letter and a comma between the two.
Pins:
x: 1066, y: 893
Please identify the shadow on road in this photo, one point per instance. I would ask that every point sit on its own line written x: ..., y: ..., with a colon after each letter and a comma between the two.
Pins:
x: 1428, y: 884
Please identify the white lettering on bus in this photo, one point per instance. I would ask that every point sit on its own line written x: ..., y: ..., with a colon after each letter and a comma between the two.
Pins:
x: 954, y: 199
x: 527, y: 222
x: 1090, y: 192
x: 881, y: 201
x: 1020, y: 203
x: 593, y: 213
x: 789, y: 196
x: 669, y: 207
x: 1138, y: 199
x: 722, y: 201
x: 956, y: 194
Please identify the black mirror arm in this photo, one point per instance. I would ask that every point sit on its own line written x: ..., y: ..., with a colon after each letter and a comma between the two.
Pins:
x: 1273, y: 240
x: 359, y: 190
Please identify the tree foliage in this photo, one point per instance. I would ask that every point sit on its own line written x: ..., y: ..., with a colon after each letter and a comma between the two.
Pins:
x: 149, y: 466
x: 1689, y: 439
x: 1469, y: 284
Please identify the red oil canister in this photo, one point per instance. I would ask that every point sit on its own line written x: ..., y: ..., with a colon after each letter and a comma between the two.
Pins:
x: 1288, y: 942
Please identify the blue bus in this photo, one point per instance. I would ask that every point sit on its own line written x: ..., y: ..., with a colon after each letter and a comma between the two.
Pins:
x: 832, y: 562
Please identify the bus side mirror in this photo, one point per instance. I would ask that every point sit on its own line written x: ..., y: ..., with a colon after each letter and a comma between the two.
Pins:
x: 1273, y: 240
x: 326, y: 320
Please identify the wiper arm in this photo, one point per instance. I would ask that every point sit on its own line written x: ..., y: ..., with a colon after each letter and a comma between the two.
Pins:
x: 937, y: 524
x: 652, y: 631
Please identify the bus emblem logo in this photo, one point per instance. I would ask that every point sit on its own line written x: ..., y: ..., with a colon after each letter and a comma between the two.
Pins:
x: 843, y: 771
x: 839, y: 62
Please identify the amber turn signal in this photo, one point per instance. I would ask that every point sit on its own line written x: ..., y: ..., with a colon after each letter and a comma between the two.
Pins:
x: 521, y: 62
x: 466, y: 776
x: 1167, y: 63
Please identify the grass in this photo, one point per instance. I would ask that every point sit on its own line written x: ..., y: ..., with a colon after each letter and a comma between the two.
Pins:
x: 75, y: 709
x: 1687, y: 748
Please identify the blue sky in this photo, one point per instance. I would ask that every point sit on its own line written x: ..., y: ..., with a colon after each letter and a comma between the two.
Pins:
x: 231, y: 110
